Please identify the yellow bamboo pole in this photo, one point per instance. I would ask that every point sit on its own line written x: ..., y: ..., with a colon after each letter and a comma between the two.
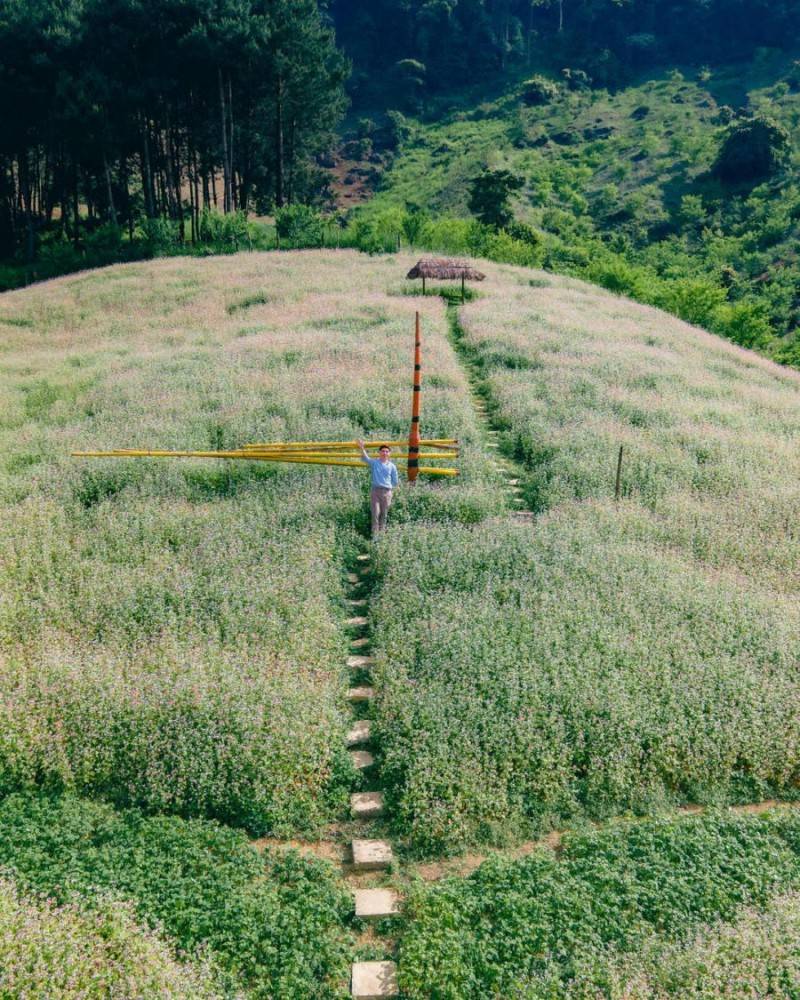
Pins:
x: 247, y: 455
x: 323, y: 445
x: 299, y: 460
x: 340, y: 451
x: 300, y: 455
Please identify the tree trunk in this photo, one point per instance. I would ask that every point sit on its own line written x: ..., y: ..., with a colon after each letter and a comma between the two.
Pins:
x: 27, y: 197
x: 231, y: 171
x: 147, y: 175
x: 226, y: 189
x: 76, y: 208
x: 112, y: 211
x: 279, y: 166
x: 290, y: 159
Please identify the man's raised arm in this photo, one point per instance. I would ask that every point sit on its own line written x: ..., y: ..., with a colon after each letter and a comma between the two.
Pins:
x: 364, y: 455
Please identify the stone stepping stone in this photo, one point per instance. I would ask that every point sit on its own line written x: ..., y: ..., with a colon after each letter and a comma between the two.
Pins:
x: 360, y: 661
x: 515, y: 489
x: 360, y: 602
x: 353, y: 578
x: 365, y: 571
x: 360, y: 733
x: 357, y: 620
x: 361, y: 759
x: 492, y: 444
x: 513, y: 482
x: 363, y: 557
x: 361, y: 694
x: 374, y: 980
x: 376, y: 904
x: 359, y: 643
x: 371, y: 855
x: 366, y: 805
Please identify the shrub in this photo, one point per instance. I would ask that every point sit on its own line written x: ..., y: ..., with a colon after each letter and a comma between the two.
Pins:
x: 752, y: 149
x: 539, y: 90
x: 696, y: 300
x: 273, y: 922
x: 299, y: 225
x: 227, y: 232
x: 747, y: 324
x: 159, y: 236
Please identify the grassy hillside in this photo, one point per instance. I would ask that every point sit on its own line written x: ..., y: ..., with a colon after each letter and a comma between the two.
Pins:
x: 617, y: 187
x: 171, y: 632
x: 173, y: 639
x: 623, y: 655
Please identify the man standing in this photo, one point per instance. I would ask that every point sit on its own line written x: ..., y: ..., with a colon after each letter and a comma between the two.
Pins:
x: 384, y: 480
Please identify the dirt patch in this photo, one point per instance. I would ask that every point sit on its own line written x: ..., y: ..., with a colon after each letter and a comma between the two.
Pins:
x: 327, y: 850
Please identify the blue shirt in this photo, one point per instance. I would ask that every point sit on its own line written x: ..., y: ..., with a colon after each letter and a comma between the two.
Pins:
x: 384, y: 475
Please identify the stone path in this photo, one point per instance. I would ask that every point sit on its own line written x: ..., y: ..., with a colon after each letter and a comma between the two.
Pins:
x: 370, y: 855
x: 377, y: 902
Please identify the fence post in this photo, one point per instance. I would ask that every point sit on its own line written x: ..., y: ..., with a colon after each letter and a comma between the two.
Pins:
x: 618, y: 484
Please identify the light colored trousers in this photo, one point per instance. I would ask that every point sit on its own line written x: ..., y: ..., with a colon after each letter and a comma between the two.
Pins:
x: 380, y: 500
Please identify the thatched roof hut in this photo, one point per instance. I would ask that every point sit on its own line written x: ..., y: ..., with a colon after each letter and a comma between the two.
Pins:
x: 445, y: 269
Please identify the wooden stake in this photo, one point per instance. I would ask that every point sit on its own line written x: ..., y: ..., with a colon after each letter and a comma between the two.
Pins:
x: 618, y: 485
x: 413, y: 437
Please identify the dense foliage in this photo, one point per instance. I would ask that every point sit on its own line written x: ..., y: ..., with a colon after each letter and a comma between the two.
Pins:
x: 62, y: 952
x: 466, y: 41
x: 133, y: 111
x: 659, y: 191
x: 757, y: 955
x: 552, y: 926
x: 274, y: 923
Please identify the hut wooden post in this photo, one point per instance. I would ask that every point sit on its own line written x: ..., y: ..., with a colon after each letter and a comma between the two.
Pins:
x: 413, y: 437
x: 462, y: 288
x: 423, y: 284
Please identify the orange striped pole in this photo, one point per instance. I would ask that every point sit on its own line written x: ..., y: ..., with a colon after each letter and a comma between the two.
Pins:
x: 413, y: 437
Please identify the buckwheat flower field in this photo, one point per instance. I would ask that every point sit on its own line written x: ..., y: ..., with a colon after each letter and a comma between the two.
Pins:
x: 170, y: 631
x: 174, y: 642
x: 60, y: 952
x: 619, y: 656
x: 709, y: 431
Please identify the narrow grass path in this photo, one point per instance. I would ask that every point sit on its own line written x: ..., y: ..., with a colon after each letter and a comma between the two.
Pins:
x: 485, y: 407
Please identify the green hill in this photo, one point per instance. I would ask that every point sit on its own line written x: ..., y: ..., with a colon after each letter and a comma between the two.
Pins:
x: 618, y: 187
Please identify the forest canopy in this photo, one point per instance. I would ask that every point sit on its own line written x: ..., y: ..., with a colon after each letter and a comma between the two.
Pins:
x: 460, y: 41
x: 159, y: 108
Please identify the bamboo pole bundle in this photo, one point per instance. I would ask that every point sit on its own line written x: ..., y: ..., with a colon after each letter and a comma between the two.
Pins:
x: 326, y: 445
x: 305, y: 458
